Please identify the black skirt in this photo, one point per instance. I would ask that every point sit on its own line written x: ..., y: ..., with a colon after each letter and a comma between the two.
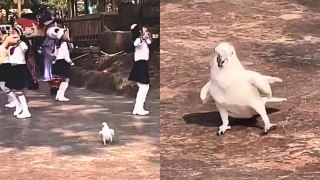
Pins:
x: 140, y: 72
x: 61, y: 68
x: 4, y: 71
x: 18, y: 77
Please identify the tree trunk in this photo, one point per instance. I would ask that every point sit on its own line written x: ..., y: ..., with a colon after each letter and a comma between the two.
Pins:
x: 101, y: 5
x: 86, y: 7
x: 7, y: 13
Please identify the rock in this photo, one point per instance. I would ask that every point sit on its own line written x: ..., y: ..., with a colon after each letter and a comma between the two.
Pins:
x: 115, y: 41
x: 109, y: 75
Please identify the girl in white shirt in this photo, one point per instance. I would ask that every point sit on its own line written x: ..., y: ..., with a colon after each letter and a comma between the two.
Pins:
x: 4, y: 68
x: 140, y: 70
x: 18, y: 77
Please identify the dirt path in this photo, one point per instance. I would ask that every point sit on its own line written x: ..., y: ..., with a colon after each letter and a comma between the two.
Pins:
x: 277, y: 37
x: 61, y: 140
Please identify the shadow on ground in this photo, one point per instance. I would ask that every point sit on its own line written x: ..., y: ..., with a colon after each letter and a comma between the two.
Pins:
x: 67, y: 133
x: 213, y: 119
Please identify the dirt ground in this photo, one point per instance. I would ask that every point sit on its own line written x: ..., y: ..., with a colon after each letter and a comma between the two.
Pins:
x: 61, y: 141
x: 275, y: 37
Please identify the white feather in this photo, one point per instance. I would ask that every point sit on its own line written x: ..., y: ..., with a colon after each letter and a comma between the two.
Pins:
x: 107, y: 133
x: 236, y: 91
x: 205, y: 92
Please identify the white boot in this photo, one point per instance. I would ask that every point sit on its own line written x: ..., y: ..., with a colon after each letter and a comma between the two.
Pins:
x: 25, y: 109
x: 18, y: 108
x: 60, y: 94
x: 11, y: 103
x: 140, y: 99
x: 14, y: 103
x: 145, y: 90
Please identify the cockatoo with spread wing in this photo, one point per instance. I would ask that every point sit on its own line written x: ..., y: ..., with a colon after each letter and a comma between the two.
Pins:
x: 107, y: 133
x: 237, y: 92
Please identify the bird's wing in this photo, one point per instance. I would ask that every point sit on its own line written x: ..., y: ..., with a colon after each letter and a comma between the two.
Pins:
x: 270, y: 79
x: 205, y: 90
x: 100, y: 132
x: 112, y: 132
x: 273, y: 79
x: 261, y: 83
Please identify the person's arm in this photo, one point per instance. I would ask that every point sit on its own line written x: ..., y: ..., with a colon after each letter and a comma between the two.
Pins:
x: 65, y: 50
x: 148, y: 41
x: 24, y: 47
x: 137, y: 42
x: 3, y: 54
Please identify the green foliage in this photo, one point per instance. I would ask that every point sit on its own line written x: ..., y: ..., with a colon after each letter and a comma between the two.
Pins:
x: 6, y: 4
x: 57, y: 4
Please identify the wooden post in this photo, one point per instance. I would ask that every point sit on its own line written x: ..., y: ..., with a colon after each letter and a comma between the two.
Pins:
x: 101, y: 5
x: 70, y: 9
x: 75, y: 6
x: 86, y: 6
x: 19, y: 8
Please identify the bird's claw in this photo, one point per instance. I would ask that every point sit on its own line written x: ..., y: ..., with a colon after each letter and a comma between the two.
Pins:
x: 223, y: 129
x: 269, y: 128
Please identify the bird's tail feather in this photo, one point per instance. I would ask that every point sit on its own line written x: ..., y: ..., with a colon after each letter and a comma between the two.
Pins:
x: 274, y: 99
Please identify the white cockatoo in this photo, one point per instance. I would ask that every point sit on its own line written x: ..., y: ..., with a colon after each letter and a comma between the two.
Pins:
x: 237, y: 92
x: 107, y: 133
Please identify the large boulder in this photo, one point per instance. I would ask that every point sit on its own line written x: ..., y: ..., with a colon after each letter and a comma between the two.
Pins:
x: 115, y: 41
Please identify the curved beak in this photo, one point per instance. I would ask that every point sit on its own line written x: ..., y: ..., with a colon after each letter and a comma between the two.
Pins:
x: 219, y: 61
x: 221, y: 58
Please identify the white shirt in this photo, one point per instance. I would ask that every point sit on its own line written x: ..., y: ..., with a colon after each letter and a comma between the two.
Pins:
x: 18, y: 56
x: 142, y: 49
x: 63, y: 52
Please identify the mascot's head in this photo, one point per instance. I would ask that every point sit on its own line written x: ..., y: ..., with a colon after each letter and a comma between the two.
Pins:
x: 29, y: 27
x: 33, y: 24
x: 56, y: 29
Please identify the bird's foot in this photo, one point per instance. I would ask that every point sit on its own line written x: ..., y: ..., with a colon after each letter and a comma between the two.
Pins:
x: 223, y: 129
x: 269, y: 128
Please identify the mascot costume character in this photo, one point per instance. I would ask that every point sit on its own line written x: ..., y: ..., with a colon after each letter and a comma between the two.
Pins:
x: 49, y: 41
x: 57, y: 58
